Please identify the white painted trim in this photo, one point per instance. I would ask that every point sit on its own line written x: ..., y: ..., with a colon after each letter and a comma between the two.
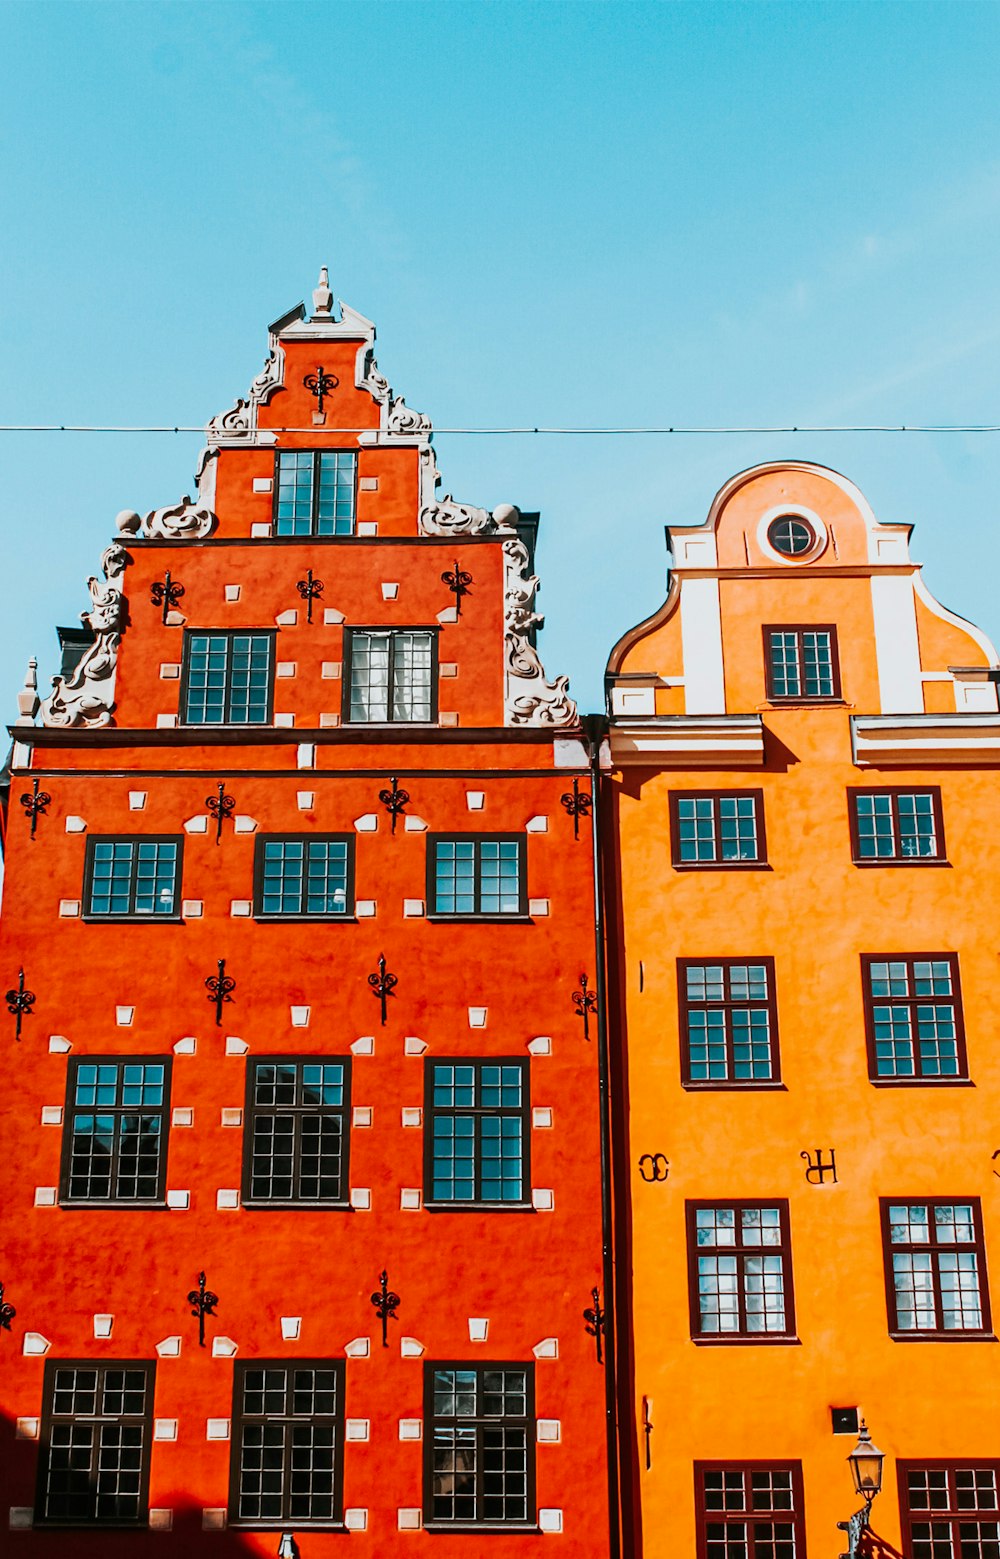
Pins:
x: 976, y: 634
x: 897, y: 649
x: 701, y: 645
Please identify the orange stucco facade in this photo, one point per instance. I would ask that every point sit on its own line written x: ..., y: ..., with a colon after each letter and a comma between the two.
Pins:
x: 909, y: 706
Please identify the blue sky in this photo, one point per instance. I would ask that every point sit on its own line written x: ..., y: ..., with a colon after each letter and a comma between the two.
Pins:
x: 557, y: 213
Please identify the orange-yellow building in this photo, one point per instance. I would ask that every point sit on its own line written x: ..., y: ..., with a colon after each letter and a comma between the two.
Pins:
x: 805, y: 789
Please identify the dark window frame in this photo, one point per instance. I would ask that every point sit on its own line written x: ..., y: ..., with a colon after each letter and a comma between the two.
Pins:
x: 119, y: 1204
x: 894, y: 792
x: 919, y: 1079
x: 132, y: 918
x: 48, y: 1416
x: 685, y: 1006
x: 477, y: 838
x: 759, y: 862
x: 226, y: 633
x: 476, y: 1204
x: 703, y: 1516
x: 431, y: 1366
x: 347, y: 678
x: 952, y: 1515
x: 741, y: 1338
x: 347, y: 914
x: 802, y: 698
x: 285, y: 1522
x: 984, y: 1333
x: 313, y: 534
x: 252, y: 1110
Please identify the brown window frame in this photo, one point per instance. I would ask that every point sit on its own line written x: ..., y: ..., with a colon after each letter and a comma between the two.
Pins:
x: 983, y: 1333
x: 704, y: 1517
x: 854, y: 794
x: 717, y: 863
x: 252, y: 1110
x: 918, y: 1078
x: 260, y: 844
x: 120, y: 1203
x: 131, y: 916
x: 393, y: 632
x: 313, y: 534
x: 477, y: 839
x: 240, y: 1420
x: 727, y: 1005
x: 950, y: 1515
x: 799, y: 629
x: 479, y: 1421
x: 479, y: 1112
x: 742, y: 1337
x: 190, y: 634
x: 101, y: 1367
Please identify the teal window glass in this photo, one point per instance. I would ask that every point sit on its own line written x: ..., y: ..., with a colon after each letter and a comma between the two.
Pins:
x: 478, y: 1123
x: 304, y: 876
x: 476, y: 876
x: 315, y: 492
x: 228, y: 678
x: 132, y: 877
x: 118, y: 1127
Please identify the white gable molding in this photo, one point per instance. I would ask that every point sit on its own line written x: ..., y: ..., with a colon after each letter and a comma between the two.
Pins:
x: 88, y: 696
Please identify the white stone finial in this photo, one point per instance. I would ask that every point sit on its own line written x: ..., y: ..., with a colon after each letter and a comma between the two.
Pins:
x: 322, y: 296
x: 27, y: 699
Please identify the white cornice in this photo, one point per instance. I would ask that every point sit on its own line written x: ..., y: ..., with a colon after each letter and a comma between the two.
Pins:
x: 911, y: 740
x: 689, y: 741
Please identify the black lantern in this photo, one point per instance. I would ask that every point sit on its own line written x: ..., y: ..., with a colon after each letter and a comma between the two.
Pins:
x: 866, y: 1465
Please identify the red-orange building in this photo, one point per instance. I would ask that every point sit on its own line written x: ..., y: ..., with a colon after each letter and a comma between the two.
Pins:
x: 302, y: 1049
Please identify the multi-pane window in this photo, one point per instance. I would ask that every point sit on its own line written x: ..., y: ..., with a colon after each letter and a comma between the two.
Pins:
x: 392, y: 675
x: 935, y: 1268
x: 115, y: 1136
x: 728, y: 1021
x: 477, y: 1142
x: 890, y: 827
x: 137, y: 878
x: 315, y: 492
x: 96, y: 1431
x: 472, y: 874
x: 286, y: 1467
x: 228, y: 678
x: 913, y: 1017
x: 308, y: 875
x: 479, y: 1455
x: 740, y: 1271
x: 749, y: 1510
x: 950, y: 1510
x: 801, y: 662
x: 296, y: 1139
x: 710, y: 829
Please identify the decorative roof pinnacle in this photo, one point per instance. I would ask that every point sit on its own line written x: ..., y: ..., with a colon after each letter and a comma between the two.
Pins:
x: 322, y: 296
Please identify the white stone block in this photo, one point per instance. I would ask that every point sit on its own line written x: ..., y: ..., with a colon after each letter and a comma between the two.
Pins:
x: 367, y: 824
x: 365, y: 909
x: 192, y: 909
x: 477, y: 1017
x: 262, y: 484
x: 410, y: 1348
x: 45, y: 1196
x: 22, y: 1518
x: 35, y: 1345
x: 412, y: 1046
x: 214, y: 1519
x: 103, y: 1325
x: 27, y: 1428
x: 447, y: 717
x: 161, y: 1520
x: 260, y: 530
x: 409, y: 1520
x: 541, y: 1118
x: 305, y: 757
x: 537, y: 825
x: 361, y: 1115
x: 300, y: 1017
x: 232, y: 1118
x: 58, y: 1044
x: 412, y: 1117
x: 285, y: 668
x: 475, y: 800
x: 367, y: 528
x: 240, y: 909
x: 449, y: 615
x: 568, y: 752
x: 550, y: 1520
x: 357, y: 1429
x: 136, y: 800
x: 223, y: 1348
x: 124, y: 1017
x: 358, y: 1348
x: 217, y: 1429
x: 411, y: 1428
x: 169, y: 1348
x: 479, y: 1328
x: 52, y: 1114
x: 227, y: 1199
x: 182, y: 1117
x: 331, y: 670
x: 232, y: 592
x: 76, y: 825
x: 236, y: 1046
x: 332, y: 617
x: 365, y: 1046
x: 164, y: 1429
x: 166, y: 722
x: 538, y: 907
x: 170, y: 670
x: 389, y: 591
x: 548, y: 1430
x: 180, y: 1201
x: 415, y: 825
x: 413, y: 909
x: 291, y: 1328
x: 329, y: 719
x: 541, y: 1045
x: 355, y: 1519
x: 448, y: 668
x: 186, y: 1046
x: 543, y: 1201
x: 196, y: 825
x: 367, y: 484
x: 361, y: 1199
x: 548, y: 1348
x: 305, y: 800
x: 409, y: 1199
x: 244, y: 825
x: 284, y: 720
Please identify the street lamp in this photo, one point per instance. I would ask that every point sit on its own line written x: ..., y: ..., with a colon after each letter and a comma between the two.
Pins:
x: 866, y: 1469
x: 288, y: 1548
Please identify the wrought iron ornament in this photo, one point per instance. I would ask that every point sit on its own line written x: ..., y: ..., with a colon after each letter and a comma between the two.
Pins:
x: 20, y: 1002
x: 654, y: 1166
x: 594, y: 1317
x: 818, y: 1168
x: 7, y: 1312
x: 221, y: 807
x: 855, y: 1529
x: 585, y: 1002
x: 647, y: 1429
x: 319, y: 384
x: 220, y: 988
x: 385, y: 1302
x: 166, y: 592
x: 383, y: 984
x: 458, y: 582
x: 204, y: 1302
x: 34, y: 802
x: 309, y: 589
x: 394, y: 801
x: 577, y: 803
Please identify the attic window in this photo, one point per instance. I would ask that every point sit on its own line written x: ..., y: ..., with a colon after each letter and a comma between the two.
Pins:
x: 791, y: 535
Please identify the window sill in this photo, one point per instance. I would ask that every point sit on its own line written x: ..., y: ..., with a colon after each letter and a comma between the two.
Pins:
x: 294, y: 1207
x: 132, y: 920
x: 942, y: 1336
x: 498, y: 1527
x: 773, y: 1085
x: 722, y: 866
x: 478, y: 1207
x: 79, y: 1205
x: 818, y: 702
x: 42, y: 1524
x: 921, y: 1082
x: 747, y: 1342
x: 904, y: 860
x: 493, y: 920
x: 285, y: 1526
x: 286, y: 920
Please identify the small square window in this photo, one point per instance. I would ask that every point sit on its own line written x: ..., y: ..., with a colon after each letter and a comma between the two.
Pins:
x: 480, y: 1453
x: 228, y: 678
x: 115, y: 1133
x: 710, y: 828
x: 891, y: 827
x: 314, y: 492
x: 935, y: 1264
x: 476, y: 874
x: 801, y: 662
x: 913, y: 1017
x: 96, y: 1436
x: 303, y: 876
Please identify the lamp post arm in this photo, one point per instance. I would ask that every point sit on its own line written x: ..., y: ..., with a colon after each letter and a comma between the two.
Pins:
x: 854, y: 1528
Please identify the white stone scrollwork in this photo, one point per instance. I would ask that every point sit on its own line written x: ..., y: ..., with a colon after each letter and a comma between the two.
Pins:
x: 270, y: 378
x: 236, y: 423
x: 184, y: 521
x: 445, y: 517
x: 370, y: 379
x: 403, y: 420
x: 88, y: 696
x: 529, y: 697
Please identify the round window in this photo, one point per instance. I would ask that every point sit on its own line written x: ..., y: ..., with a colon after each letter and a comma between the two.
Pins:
x: 791, y: 536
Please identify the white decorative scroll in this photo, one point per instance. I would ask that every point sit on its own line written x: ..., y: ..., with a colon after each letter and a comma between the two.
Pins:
x: 529, y: 698
x: 88, y: 696
x: 403, y: 420
x: 184, y: 521
x: 445, y: 517
x: 236, y: 423
x: 270, y: 378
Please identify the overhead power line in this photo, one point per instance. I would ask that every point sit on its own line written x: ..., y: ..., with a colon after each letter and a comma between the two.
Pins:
x: 314, y: 432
